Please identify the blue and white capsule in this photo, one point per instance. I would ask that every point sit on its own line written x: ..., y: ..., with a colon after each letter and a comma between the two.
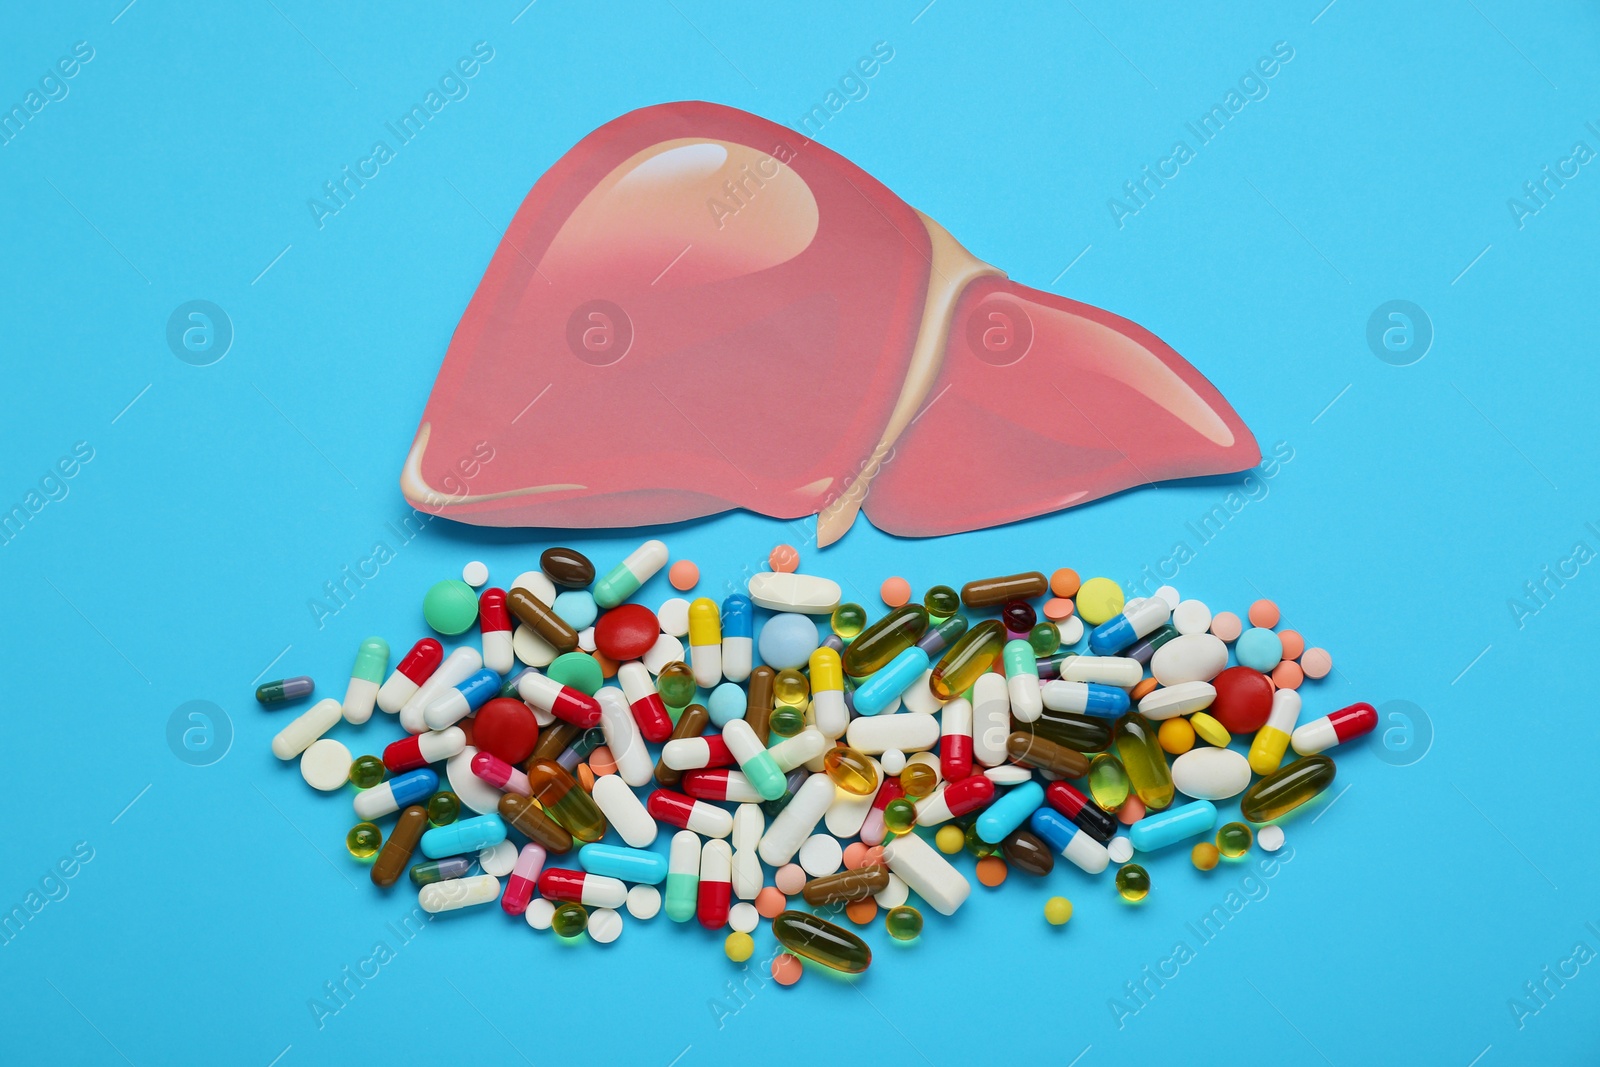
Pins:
x: 1022, y: 681
x: 386, y: 798
x: 1065, y: 838
x: 1010, y: 812
x: 1173, y: 825
x: 889, y: 682
x: 1084, y: 698
x: 636, y: 865
x: 461, y: 700
x: 1137, y: 620
x: 738, y: 633
x: 463, y: 835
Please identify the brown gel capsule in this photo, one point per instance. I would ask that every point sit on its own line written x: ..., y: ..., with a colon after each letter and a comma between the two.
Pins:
x: 847, y: 885
x: 1045, y: 754
x: 1027, y: 852
x: 554, y: 740
x: 987, y: 592
x: 758, y: 705
x: 691, y: 723
x: 396, y: 852
x: 567, y: 567
x: 528, y: 819
x: 1082, y: 732
x: 537, y: 616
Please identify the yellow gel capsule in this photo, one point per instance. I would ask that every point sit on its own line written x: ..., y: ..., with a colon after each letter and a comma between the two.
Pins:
x: 919, y: 779
x: 851, y: 771
x: 1282, y: 791
x: 565, y: 801
x: 790, y: 687
x: 821, y: 942
x: 1108, y: 782
x: 827, y: 672
x: 967, y: 659
x: 1135, y: 739
x: 705, y: 622
x: 885, y: 639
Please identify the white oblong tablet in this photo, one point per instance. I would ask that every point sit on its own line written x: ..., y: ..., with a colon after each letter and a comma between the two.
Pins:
x: 457, y: 893
x: 918, y: 696
x: 644, y: 902
x: 908, y: 732
x: 666, y: 649
x: 1185, y: 698
x: 1189, y: 658
x: 1208, y: 773
x: 1120, y: 849
x: 927, y: 873
x: 894, y: 894
x: 475, y: 573
x: 325, y: 765
x: 674, y: 616
x: 537, y: 583
x: 744, y: 917
x: 821, y: 854
x: 622, y: 809
x: 605, y: 925
x: 473, y: 791
x: 540, y: 913
x: 808, y: 594
x: 532, y: 649
x: 311, y: 724
x: 498, y: 860
x: 1191, y: 617
x: 1008, y: 774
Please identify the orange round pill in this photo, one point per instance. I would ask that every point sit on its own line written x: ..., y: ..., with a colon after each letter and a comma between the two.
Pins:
x: 1132, y: 811
x: 991, y: 871
x: 854, y: 853
x: 1065, y: 582
x: 786, y: 969
x: 683, y: 575
x: 1293, y: 643
x: 1264, y: 613
x: 1288, y: 675
x: 861, y: 912
x: 608, y: 666
x: 1058, y: 608
x: 770, y: 902
x: 1225, y: 626
x: 602, y: 762
x: 785, y: 559
x: 896, y: 592
x: 790, y: 878
x: 1316, y: 662
x: 873, y: 857
x: 1145, y: 687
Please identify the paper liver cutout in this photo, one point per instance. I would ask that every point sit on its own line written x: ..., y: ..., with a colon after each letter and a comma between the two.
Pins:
x: 696, y: 310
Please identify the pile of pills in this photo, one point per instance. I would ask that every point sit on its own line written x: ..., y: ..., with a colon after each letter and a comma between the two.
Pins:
x: 801, y: 749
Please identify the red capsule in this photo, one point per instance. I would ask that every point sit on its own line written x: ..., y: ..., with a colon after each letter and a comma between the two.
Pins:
x: 716, y: 885
x: 721, y: 784
x: 492, y: 613
x: 968, y: 795
x: 423, y: 659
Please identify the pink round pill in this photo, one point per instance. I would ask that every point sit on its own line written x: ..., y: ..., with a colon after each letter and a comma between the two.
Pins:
x: 1226, y: 626
x: 854, y: 853
x: 790, y: 879
x: 784, y: 559
x: 896, y: 592
x: 1132, y: 811
x: 1316, y: 662
x: 1264, y: 613
x: 1058, y: 608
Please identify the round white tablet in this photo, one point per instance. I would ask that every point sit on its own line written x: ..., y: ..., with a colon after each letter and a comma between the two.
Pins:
x: 325, y: 765
x: 744, y: 917
x: 1071, y: 630
x: 498, y: 860
x: 666, y: 649
x: 1191, y: 617
x: 674, y: 616
x: 535, y: 582
x: 1121, y: 850
x: 532, y: 649
x: 540, y: 912
x: 644, y: 901
x: 605, y: 925
x: 894, y: 894
x: 821, y: 854
x: 475, y: 573
x: 1170, y: 595
x: 473, y: 791
x: 1270, y: 838
x: 892, y: 762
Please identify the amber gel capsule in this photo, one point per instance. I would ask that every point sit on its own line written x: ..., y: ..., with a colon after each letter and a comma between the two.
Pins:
x: 396, y: 852
x: 845, y: 886
x: 565, y: 801
x: 987, y: 592
x: 1082, y: 732
x: 758, y: 704
x: 964, y: 661
x: 1036, y: 751
x: 884, y: 640
x: 821, y: 942
x: 1144, y: 760
x: 537, y: 616
x: 1282, y: 791
x: 528, y: 819
x: 554, y: 739
x: 692, y: 723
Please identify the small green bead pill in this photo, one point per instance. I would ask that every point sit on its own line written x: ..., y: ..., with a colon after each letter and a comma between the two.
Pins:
x: 941, y: 601
x: 903, y: 922
x: 366, y: 771
x: 443, y: 808
x: 570, y: 920
x: 900, y: 816
x: 786, y: 721
x: 1133, y: 882
x: 363, y: 840
x: 1233, y: 840
x: 450, y: 607
x: 675, y: 684
x: 1045, y: 639
x: 848, y: 620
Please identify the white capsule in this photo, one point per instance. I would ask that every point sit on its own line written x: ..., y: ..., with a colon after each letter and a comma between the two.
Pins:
x: 991, y: 720
x: 1120, y: 671
x: 360, y: 696
x: 1026, y: 702
x: 1170, y: 701
x: 311, y: 724
x: 621, y: 731
x: 499, y: 653
x: 795, y: 751
x: 927, y: 873
x: 830, y: 712
x: 436, y: 745
x: 457, y: 667
x: 907, y: 732
x: 624, y: 811
x: 456, y: 893
x: 706, y: 661
x: 796, y: 821
x: 737, y: 658
x: 790, y: 591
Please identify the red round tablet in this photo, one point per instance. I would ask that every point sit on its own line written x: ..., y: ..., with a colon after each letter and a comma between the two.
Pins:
x: 505, y: 727
x: 626, y: 632
x: 1244, y: 699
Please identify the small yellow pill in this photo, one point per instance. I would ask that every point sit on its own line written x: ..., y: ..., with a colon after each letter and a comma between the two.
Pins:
x: 1057, y: 910
x: 1099, y: 600
x: 1176, y: 736
x: 1209, y: 729
x: 1205, y: 856
x: 739, y: 947
x: 950, y: 839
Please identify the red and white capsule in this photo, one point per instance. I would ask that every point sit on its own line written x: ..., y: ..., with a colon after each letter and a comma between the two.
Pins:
x: 1343, y: 725
x: 581, y: 887
x: 954, y: 799
x: 716, y: 885
x: 494, y: 623
x: 562, y: 701
x: 955, y: 741
x: 696, y: 753
x: 649, y: 710
x: 687, y: 813
x: 419, y: 750
x: 722, y: 784
x: 415, y: 668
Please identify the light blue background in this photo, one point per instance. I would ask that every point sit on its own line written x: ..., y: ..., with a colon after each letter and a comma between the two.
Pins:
x: 1418, y: 502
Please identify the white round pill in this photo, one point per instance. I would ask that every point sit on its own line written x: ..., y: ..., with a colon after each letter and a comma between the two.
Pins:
x: 535, y: 582
x: 892, y: 762
x: 1270, y: 838
x: 744, y: 917
x: 1191, y: 617
x: 894, y: 894
x: 475, y: 573
x: 532, y: 649
x: 1071, y: 630
x: 498, y: 860
x: 644, y: 901
x: 586, y: 639
x: 325, y: 765
x: 1121, y: 850
x: 540, y: 913
x: 605, y: 925
x: 821, y: 854
x: 1170, y: 595
x: 666, y: 649
x: 674, y: 616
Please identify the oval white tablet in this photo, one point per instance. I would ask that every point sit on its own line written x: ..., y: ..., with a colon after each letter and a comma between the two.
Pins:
x: 498, y: 860
x: 325, y: 765
x: 1185, y: 698
x: 1211, y: 773
x: 473, y: 791
x: 805, y: 593
x: 1189, y: 658
x: 1120, y: 849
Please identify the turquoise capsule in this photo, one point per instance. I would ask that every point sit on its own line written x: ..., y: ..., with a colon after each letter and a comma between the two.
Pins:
x: 463, y: 835
x: 1019, y: 658
x: 1173, y: 825
x: 372, y: 660
x: 1010, y: 812
x: 624, y: 580
x: 624, y: 864
x: 683, y: 877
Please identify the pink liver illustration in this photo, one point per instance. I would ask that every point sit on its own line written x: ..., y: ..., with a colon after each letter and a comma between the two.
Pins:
x: 696, y: 310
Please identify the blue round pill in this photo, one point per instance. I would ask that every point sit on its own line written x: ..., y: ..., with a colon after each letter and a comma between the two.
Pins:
x: 787, y: 640
x: 726, y: 703
x: 1259, y: 648
x: 576, y: 608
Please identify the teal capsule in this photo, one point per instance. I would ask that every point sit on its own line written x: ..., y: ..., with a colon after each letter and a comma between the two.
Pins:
x: 683, y: 877
x: 464, y: 835
x: 1019, y: 658
x: 372, y: 660
x: 624, y: 580
x: 284, y: 689
x: 636, y: 865
x: 440, y: 870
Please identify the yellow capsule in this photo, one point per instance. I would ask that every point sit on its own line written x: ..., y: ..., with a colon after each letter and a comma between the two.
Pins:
x: 1135, y: 739
x: 967, y: 659
x: 851, y: 771
x: 1282, y: 791
x: 827, y: 672
x: 565, y: 801
x: 705, y: 622
x: 1272, y: 740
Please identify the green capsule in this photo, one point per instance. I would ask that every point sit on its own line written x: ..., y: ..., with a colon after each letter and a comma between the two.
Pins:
x: 683, y: 877
x: 284, y: 689
x: 903, y: 922
x: 847, y: 620
x: 941, y: 601
x: 967, y: 659
x: 1018, y: 658
x: 1108, y: 782
x: 1045, y: 639
x: 1144, y: 760
x: 366, y: 771
x: 885, y: 639
x: 372, y: 660
x: 1282, y: 791
x: 569, y: 920
x: 821, y: 942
